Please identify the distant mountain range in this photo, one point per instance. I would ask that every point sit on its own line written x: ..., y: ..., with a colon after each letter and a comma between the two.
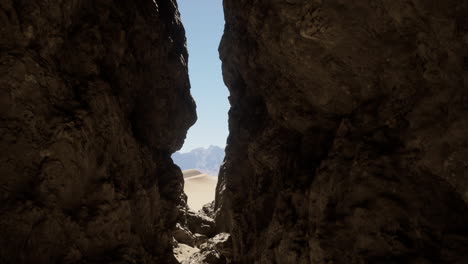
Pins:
x: 207, y: 160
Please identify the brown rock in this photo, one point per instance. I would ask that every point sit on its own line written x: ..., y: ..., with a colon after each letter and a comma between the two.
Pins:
x: 94, y: 97
x: 200, y: 239
x: 200, y: 223
x: 205, y: 257
x: 183, y: 235
x: 208, y: 210
x: 348, y: 131
x: 217, y: 250
x: 222, y: 243
x: 183, y: 252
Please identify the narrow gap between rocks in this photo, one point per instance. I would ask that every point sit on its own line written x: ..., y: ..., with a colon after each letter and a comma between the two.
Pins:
x: 195, y: 238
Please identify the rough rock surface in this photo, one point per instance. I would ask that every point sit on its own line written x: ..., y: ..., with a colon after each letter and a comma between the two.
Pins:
x: 200, y: 223
x: 196, y: 231
x: 348, y: 131
x: 183, y: 235
x: 217, y: 250
x: 94, y: 98
x: 208, y: 209
x: 183, y: 252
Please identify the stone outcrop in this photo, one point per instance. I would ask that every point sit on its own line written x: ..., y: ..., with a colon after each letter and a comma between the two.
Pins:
x: 182, y: 252
x: 208, y: 210
x: 348, y: 131
x: 195, y: 238
x: 94, y: 98
x: 217, y: 250
x: 199, y: 222
x: 183, y: 235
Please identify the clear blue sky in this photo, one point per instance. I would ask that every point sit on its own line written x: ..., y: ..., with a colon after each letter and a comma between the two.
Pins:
x: 204, y: 24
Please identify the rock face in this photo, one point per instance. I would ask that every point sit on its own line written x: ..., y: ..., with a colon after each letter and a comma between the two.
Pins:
x: 94, y: 98
x: 349, y: 131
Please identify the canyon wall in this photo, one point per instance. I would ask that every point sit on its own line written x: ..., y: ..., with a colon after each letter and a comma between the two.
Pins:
x: 94, y: 98
x: 348, y: 131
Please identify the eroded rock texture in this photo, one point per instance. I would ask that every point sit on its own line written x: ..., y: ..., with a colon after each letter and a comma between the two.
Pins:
x: 94, y: 97
x: 349, y: 131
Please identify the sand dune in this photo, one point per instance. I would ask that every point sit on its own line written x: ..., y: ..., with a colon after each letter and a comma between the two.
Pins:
x: 191, y: 173
x: 199, y: 187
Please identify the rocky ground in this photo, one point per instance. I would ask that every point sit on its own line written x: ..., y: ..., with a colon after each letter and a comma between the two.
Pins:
x: 196, y: 240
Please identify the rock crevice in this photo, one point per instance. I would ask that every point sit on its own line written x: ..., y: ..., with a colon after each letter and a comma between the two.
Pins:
x: 348, y: 133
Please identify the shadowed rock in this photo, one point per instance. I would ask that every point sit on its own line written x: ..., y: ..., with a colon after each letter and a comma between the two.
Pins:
x: 94, y: 97
x: 348, y: 131
x: 217, y: 250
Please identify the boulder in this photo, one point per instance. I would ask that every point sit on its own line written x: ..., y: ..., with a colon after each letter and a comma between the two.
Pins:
x: 183, y: 235
x: 217, y: 250
x: 200, y: 223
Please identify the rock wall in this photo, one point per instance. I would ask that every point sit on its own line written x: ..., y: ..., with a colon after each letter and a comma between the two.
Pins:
x: 94, y: 98
x: 349, y: 131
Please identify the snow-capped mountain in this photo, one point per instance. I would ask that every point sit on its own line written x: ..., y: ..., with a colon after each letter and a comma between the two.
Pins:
x: 207, y: 160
